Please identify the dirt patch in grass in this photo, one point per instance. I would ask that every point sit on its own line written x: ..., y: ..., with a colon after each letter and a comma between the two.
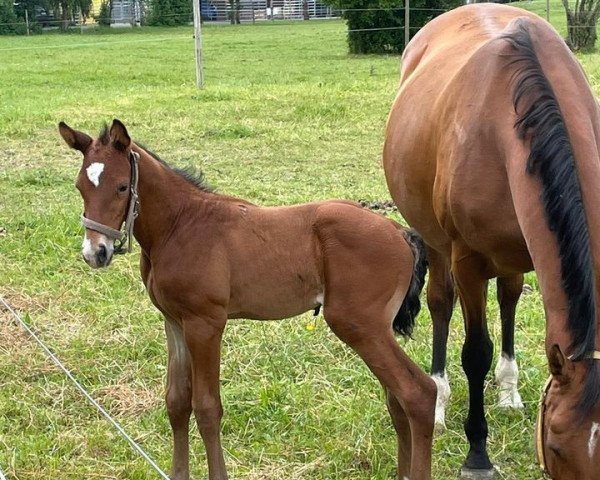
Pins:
x: 14, y: 338
x: 128, y: 399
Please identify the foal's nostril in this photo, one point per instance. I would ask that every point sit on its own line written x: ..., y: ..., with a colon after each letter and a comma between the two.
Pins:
x: 101, y: 256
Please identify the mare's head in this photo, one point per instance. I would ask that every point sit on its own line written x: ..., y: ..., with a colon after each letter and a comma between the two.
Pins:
x: 568, y: 429
x: 104, y: 184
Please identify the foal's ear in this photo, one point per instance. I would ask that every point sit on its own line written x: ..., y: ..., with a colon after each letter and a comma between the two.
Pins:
x: 77, y: 140
x: 119, y: 136
x: 557, y: 363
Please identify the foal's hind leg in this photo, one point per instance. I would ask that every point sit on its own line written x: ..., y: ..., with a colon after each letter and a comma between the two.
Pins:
x: 440, y: 301
x: 179, y: 398
x: 402, y: 427
x: 411, y: 393
x: 507, y: 372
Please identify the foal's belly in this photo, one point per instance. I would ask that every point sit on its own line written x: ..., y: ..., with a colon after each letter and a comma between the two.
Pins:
x: 286, y: 290
x: 275, y: 302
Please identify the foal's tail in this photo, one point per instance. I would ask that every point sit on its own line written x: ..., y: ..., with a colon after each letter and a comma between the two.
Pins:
x: 405, y: 318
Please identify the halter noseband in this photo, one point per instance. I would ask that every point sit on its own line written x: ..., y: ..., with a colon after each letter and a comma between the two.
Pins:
x: 121, y: 237
x: 539, y: 426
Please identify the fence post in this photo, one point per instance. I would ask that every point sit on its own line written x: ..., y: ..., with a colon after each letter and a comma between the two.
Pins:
x: 198, y: 43
x: 27, y: 26
x: 406, y: 22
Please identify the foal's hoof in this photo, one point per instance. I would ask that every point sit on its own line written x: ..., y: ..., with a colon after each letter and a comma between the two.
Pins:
x: 477, y: 474
x: 439, y: 426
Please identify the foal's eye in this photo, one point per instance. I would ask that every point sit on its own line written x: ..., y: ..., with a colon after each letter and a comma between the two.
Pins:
x: 122, y: 188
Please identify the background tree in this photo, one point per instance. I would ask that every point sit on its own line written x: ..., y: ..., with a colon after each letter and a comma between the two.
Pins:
x: 582, y: 21
x: 103, y: 17
x: 10, y: 24
x: 234, y: 12
x: 68, y: 9
x: 170, y: 12
x: 377, y: 26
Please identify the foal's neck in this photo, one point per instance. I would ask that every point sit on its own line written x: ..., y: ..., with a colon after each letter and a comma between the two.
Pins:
x: 162, y: 194
x: 165, y: 198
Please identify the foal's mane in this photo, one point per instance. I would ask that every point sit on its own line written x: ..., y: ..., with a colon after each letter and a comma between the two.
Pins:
x: 190, y: 174
x: 551, y: 158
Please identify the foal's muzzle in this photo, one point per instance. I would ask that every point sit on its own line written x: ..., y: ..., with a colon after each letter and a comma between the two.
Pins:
x: 98, y: 255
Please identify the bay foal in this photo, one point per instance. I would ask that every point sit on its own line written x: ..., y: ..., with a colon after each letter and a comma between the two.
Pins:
x: 208, y: 257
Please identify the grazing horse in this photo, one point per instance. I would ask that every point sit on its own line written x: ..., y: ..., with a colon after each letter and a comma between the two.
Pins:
x: 208, y: 257
x: 492, y: 155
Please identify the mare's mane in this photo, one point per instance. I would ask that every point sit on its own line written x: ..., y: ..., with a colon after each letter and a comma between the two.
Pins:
x: 551, y: 158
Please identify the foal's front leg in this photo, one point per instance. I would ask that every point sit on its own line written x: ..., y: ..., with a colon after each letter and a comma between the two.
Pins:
x: 203, y: 338
x: 179, y: 398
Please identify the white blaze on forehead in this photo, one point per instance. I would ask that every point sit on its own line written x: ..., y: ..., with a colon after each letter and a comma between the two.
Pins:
x: 593, y: 438
x: 94, y: 171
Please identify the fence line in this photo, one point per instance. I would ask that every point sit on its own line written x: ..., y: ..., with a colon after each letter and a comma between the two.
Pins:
x: 88, y: 397
x: 248, y: 12
x: 333, y: 13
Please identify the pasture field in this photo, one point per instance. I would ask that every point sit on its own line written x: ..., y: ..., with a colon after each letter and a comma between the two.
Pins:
x: 286, y: 116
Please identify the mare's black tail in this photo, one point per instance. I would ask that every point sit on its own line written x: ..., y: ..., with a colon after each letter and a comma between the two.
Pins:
x: 405, y: 318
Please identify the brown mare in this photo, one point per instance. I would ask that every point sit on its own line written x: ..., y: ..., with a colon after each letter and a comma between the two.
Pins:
x: 492, y: 155
x: 208, y: 257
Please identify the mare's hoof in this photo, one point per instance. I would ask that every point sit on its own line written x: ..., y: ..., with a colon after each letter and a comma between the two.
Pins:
x: 477, y: 474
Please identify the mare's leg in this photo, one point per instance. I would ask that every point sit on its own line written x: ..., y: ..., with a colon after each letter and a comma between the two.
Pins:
x: 507, y: 372
x: 410, y: 392
x: 179, y: 398
x: 203, y: 338
x: 440, y: 300
x: 476, y: 357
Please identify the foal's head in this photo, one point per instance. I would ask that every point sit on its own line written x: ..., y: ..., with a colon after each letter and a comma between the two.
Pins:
x: 104, y: 184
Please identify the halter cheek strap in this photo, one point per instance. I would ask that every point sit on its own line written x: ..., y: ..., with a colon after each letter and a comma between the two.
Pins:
x: 539, y: 426
x: 120, y: 237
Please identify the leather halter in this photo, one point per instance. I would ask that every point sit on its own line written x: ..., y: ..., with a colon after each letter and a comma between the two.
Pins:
x: 539, y: 425
x: 125, y: 235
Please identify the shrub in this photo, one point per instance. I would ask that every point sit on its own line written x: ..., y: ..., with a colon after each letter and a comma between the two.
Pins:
x: 377, y: 26
x: 170, y: 12
x: 103, y: 17
x: 10, y: 24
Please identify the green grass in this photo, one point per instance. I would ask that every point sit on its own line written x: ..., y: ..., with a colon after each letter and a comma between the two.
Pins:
x: 286, y: 116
